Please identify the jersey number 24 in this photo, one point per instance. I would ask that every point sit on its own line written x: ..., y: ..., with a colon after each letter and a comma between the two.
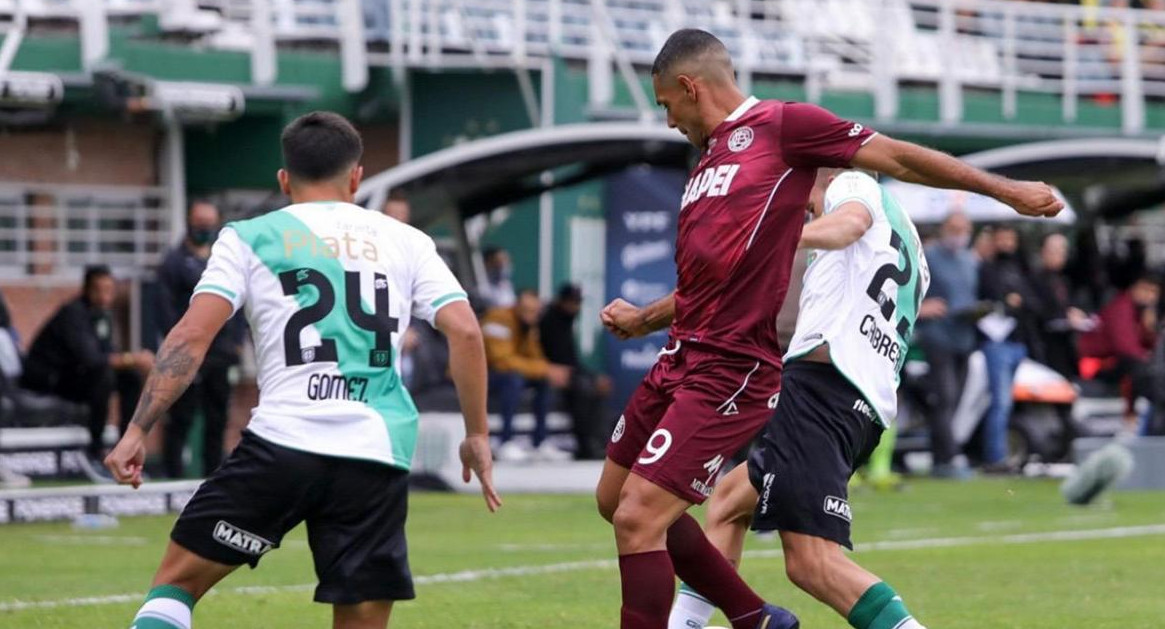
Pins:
x: 378, y: 322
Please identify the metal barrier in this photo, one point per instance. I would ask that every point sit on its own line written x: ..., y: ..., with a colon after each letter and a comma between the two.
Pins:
x: 52, y: 230
x: 865, y: 45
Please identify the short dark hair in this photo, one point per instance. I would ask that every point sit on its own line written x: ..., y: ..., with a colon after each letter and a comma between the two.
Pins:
x: 683, y: 45
x: 1148, y: 277
x: 94, y: 272
x: 320, y: 145
x: 569, y: 292
x: 489, y: 253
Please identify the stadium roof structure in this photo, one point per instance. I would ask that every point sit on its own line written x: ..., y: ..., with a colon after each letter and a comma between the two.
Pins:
x: 479, y: 176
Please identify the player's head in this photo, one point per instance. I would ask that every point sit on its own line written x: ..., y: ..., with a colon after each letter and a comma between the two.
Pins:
x: 202, y: 221
x: 816, y: 204
x: 691, y: 75
x: 569, y: 299
x: 99, y: 289
x: 1054, y: 252
x: 528, y: 307
x: 321, y: 153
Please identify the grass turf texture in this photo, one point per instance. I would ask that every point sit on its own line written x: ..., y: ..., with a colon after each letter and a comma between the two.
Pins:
x: 967, y: 583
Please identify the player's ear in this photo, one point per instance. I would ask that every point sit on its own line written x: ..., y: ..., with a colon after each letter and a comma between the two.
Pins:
x: 354, y: 178
x: 284, y: 182
x: 688, y: 85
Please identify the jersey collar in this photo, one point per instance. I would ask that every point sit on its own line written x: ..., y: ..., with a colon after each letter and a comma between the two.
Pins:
x: 748, y: 104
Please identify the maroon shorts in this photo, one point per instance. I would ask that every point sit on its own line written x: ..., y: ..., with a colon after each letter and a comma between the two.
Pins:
x: 693, y: 411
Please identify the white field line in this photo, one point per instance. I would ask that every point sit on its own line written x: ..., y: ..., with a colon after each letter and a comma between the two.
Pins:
x: 91, y: 540
x: 605, y: 564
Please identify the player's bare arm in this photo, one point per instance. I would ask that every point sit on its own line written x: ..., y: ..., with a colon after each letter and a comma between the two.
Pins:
x: 176, y: 366
x: 627, y: 321
x: 467, y: 368
x: 838, y: 229
x: 917, y: 164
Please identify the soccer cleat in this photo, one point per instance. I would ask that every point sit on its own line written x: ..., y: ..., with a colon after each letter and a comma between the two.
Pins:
x: 773, y: 617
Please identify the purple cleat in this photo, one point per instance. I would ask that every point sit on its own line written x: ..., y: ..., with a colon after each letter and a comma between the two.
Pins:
x: 773, y: 617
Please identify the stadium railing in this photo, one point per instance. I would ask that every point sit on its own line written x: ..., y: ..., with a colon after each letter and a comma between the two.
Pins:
x: 1068, y: 51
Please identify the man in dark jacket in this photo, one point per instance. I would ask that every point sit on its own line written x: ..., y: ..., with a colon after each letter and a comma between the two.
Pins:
x: 211, y: 389
x: 586, y: 391
x: 73, y: 357
x: 1060, y: 320
x: 1008, y: 333
x: 1125, y: 340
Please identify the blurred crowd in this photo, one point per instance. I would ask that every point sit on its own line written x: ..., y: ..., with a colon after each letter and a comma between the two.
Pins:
x: 1011, y: 300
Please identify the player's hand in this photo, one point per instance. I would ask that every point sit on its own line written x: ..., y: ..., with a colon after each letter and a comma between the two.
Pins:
x: 476, y: 457
x: 1032, y: 198
x: 128, y: 457
x: 623, y: 320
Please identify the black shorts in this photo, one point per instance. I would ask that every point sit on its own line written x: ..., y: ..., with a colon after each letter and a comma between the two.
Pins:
x: 815, y: 440
x: 355, y: 514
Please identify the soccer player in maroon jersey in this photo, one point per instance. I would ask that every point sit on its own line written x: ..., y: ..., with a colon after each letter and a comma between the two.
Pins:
x: 715, y: 384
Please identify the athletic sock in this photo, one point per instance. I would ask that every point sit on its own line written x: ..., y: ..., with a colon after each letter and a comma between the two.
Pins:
x: 703, y: 568
x: 690, y: 611
x: 881, y: 608
x: 649, y: 581
x: 166, y: 607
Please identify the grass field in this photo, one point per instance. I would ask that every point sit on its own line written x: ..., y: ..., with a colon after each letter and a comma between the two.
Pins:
x: 991, y: 553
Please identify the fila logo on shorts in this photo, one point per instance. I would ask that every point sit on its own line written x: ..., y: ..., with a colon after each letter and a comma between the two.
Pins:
x: 228, y: 534
x: 838, y: 508
x: 864, y: 408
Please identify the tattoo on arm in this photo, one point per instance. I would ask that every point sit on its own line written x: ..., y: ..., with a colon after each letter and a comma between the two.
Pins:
x: 173, y: 371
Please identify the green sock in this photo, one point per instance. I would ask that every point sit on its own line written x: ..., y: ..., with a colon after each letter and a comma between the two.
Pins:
x: 881, y: 608
x: 166, y: 607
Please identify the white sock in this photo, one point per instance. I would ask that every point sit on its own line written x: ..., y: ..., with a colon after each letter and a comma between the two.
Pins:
x: 166, y: 607
x: 690, y: 611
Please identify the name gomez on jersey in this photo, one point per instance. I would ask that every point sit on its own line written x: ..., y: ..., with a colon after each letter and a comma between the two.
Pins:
x: 740, y: 221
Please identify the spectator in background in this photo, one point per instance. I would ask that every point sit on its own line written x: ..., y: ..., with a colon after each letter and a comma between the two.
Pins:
x: 983, y: 245
x: 585, y: 394
x: 73, y: 357
x: 498, y: 289
x: 210, y: 392
x: 1008, y: 333
x: 1125, y: 338
x: 1061, y: 321
x: 397, y: 206
x: 946, y: 333
x: 516, y: 363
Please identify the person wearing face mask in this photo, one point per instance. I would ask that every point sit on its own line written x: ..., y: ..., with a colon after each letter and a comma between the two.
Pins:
x: 946, y: 332
x: 498, y: 289
x: 211, y: 390
x: 74, y: 357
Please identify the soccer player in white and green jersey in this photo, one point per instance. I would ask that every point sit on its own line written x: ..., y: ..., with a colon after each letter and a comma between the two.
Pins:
x: 866, y: 276
x: 328, y: 289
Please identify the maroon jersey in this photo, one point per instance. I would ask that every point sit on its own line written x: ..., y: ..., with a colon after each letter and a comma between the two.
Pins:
x: 741, y: 217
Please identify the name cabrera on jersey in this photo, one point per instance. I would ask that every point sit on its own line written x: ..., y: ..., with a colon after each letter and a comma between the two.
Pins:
x: 328, y: 290
x: 863, y: 300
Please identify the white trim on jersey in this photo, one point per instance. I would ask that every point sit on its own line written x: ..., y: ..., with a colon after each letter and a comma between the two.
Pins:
x: 748, y: 104
x: 768, y: 204
x: 867, y: 140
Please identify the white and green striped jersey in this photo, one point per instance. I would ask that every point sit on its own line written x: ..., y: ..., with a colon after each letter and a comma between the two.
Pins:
x: 863, y: 300
x: 328, y: 290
